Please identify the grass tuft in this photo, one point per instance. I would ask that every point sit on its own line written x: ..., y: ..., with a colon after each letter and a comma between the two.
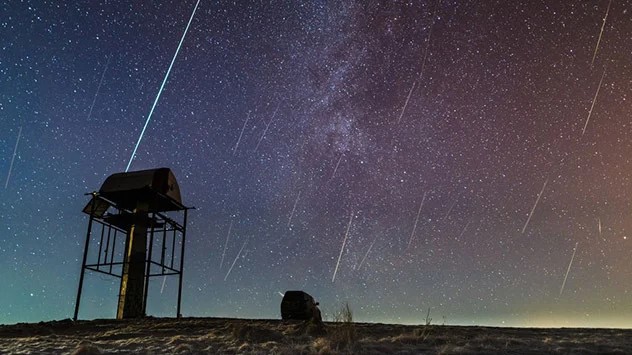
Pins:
x: 344, y: 335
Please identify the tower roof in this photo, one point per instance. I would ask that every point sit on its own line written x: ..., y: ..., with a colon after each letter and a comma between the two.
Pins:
x: 156, y: 189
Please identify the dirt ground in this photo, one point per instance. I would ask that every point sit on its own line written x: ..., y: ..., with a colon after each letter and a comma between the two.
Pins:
x: 242, y: 336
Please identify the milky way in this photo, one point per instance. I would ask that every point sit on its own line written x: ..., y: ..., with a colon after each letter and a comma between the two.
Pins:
x: 280, y: 120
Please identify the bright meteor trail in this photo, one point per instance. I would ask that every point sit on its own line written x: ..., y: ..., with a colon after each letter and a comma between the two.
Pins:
x: 534, y: 206
x: 162, y: 86
x: 592, y: 106
x: 603, y: 25
x: 241, y: 134
x: 235, y: 261
x: 344, y: 242
x: 569, y: 269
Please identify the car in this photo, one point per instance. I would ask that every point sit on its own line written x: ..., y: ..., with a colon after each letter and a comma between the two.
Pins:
x: 299, y: 305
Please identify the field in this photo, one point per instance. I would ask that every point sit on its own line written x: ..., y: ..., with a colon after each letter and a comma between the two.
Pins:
x: 243, y: 336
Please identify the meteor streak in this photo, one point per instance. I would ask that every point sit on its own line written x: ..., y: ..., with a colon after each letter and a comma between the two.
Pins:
x: 464, y: 229
x: 569, y: 269
x: 423, y: 63
x: 599, y: 222
x: 423, y: 66
x: 367, y: 254
x: 226, y: 244
x: 593, y: 102
x: 234, y: 261
x: 333, y: 279
x: 94, y: 100
x: 267, y: 126
x: 416, y: 220
x: 450, y: 210
x: 289, y: 221
x: 603, y: 25
x: 15, y: 150
x: 162, y: 86
x: 534, y: 206
x: 406, y: 103
x: 241, y: 134
x: 336, y: 168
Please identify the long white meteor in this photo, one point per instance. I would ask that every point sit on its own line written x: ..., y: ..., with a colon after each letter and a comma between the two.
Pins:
x: 235, y: 261
x: 568, y: 269
x: 164, y: 81
x: 534, y: 206
x: 344, y: 242
x: 592, y: 106
x: 241, y: 134
x: 603, y: 25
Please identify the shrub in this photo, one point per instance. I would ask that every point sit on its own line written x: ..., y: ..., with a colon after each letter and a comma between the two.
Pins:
x: 344, y: 335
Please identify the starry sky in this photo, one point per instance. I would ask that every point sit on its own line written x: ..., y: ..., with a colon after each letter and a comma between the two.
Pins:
x: 463, y: 156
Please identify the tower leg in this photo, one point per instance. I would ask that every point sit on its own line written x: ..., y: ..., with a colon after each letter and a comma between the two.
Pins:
x: 131, y: 296
x: 85, y: 255
x: 184, y: 237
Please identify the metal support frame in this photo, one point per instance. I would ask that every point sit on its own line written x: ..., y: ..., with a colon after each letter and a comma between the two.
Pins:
x: 85, y: 255
x: 148, y: 266
x: 108, y: 263
x: 184, y: 233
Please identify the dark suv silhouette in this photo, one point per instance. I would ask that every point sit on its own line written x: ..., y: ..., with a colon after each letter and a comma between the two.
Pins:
x: 299, y: 305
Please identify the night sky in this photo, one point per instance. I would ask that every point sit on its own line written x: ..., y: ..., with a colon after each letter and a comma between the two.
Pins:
x: 477, y: 147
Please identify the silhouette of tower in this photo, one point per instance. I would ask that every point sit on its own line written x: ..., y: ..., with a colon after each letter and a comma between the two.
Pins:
x: 135, y: 211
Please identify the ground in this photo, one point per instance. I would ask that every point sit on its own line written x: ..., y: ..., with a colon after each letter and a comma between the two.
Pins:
x: 243, y: 336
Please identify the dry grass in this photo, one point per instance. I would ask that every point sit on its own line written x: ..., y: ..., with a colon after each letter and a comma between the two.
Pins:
x: 243, y: 336
x: 255, y: 334
x: 343, y: 335
x: 86, y: 349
